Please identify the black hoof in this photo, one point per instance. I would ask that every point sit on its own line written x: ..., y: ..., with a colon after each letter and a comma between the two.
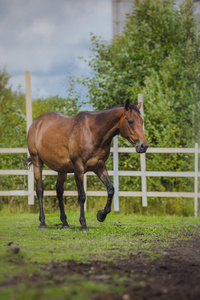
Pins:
x: 42, y: 227
x: 101, y: 215
x: 65, y: 227
x: 84, y: 228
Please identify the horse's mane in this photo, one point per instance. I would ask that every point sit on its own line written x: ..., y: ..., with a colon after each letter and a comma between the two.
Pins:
x: 132, y: 107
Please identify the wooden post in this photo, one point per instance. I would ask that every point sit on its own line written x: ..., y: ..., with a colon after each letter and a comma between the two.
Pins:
x: 29, y: 120
x: 196, y: 181
x: 115, y: 23
x: 140, y: 100
x: 85, y: 188
x: 143, y: 160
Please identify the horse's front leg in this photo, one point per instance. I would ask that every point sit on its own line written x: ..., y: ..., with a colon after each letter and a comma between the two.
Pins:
x: 102, y: 173
x: 79, y: 173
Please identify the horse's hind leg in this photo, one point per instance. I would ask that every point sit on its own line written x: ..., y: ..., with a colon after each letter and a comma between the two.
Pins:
x: 37, y: 167
x: 79, y: 173
x: 102, y: 173
x: 60, y: 191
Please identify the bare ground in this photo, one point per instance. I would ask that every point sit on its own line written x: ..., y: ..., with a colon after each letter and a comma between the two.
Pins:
x: 172, y: 273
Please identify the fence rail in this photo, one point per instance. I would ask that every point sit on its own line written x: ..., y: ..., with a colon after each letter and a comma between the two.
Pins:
x: 143, y: 174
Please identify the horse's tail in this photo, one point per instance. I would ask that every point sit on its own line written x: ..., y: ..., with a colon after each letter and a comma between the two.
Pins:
x: 29, y: 161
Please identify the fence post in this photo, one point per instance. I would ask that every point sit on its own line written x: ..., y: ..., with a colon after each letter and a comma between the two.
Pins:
x: 29, y: 120
x: 196, y: 181
x: 143, y: 160
x: 85, y: 188
x: 116, y: 174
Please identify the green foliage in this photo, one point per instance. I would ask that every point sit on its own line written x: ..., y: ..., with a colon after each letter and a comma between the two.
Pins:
x: 158, y: 54
x: 69, y: 105
x: 12, y: 115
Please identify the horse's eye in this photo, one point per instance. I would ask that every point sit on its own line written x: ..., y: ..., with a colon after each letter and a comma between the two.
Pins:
x: 130, y: 122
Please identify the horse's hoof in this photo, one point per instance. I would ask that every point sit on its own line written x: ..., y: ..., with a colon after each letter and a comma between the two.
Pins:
x: 65, y: 227
x: 84, y: 228
x: 42, y: 227
x: 101, y: 215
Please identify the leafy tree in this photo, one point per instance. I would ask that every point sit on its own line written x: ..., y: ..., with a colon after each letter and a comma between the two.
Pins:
x: 69, y: 105
x: 12, y: 114
x: 13, y: 110
x: 158, y: 54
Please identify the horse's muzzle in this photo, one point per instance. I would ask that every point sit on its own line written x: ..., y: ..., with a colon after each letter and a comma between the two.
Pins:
x: 141, y: 147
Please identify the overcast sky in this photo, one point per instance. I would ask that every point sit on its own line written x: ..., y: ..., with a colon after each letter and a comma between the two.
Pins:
x: 46, y: 37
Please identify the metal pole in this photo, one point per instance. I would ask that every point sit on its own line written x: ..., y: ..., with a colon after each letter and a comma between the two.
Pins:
x: 115, y: 17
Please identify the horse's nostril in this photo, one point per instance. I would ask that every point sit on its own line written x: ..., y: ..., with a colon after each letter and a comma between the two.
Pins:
x: 142, y: 147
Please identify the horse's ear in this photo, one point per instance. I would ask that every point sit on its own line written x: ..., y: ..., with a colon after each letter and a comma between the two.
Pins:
x: 127, y: 105
x: 139, y: 105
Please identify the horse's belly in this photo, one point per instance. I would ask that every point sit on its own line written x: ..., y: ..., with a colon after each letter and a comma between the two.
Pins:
x: 53, y: 150
x: 61, y: 167
x: 58, y: 161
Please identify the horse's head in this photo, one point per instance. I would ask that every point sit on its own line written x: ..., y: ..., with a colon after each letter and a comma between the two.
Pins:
x: 131, y: 127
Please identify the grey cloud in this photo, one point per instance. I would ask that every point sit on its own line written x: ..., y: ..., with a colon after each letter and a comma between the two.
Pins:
x: 46, y: 36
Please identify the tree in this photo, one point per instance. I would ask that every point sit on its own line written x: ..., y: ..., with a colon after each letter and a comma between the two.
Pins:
x: 69, y: 105
x: 12, y: 115
x: 158, y: 54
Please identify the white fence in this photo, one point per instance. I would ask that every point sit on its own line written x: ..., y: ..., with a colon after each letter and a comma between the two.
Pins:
x: 143, y: 174
x: 115, y: 173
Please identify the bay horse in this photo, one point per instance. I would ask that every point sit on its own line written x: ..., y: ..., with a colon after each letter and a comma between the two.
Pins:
x: 80, y: 144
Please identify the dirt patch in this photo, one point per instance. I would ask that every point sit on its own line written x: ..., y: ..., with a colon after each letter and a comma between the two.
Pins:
x: 172, y: 273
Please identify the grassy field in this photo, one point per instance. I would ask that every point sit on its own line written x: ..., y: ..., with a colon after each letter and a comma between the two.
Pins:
x: 42, y: 268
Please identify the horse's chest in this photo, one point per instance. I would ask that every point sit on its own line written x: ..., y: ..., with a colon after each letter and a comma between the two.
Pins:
x: 94, y: 160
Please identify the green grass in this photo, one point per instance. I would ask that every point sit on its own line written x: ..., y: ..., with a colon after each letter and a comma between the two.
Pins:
x: 119, y: 236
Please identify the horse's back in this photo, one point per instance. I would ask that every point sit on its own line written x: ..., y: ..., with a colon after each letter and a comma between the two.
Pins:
x: 50, y: 117
x: 46, y: 124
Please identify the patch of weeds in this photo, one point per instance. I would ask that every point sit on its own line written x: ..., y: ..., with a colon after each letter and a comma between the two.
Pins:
x: 156, y: 255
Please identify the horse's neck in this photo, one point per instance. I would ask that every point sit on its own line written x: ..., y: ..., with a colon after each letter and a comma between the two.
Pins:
x: 108, y: 123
